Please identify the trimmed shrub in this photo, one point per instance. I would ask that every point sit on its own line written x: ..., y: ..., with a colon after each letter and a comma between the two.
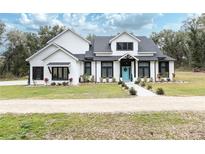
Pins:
x: 160, y: 91
x: 123, y: 84
x: 85, y: 78
x: 150, y: 80
x: 142, y: 83
x: 126, y: 87
x: 65, y: 83
x: 59, y: 84
x: 162, y: 80
x: 132, y: 91
x: 119, y: 82
x: 53, y: 84
x: 137, y: 81
x: 145, y: 79
x: 149, y: 87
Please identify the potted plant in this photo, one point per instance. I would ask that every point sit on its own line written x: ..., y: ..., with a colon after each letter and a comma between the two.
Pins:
x: 173, y: 76
x: 92, y: 79
x: 71, y: 80
x: 113, y: 79
x: 158, y: 76
x: 104, y: 80
x: 46, y: 81
x: 101, y: 80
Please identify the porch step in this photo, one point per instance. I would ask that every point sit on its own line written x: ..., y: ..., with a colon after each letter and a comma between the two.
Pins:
x: 140, y: 90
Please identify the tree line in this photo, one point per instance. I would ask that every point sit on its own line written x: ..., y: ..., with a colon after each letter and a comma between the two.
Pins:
x: 19, y: 45
x: 187, y: 45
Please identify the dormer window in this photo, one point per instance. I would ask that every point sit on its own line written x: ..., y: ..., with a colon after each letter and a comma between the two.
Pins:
x: 124, y: 46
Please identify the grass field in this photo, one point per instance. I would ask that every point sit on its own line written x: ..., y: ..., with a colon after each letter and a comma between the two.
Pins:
x: 194, y: 85
x: 61, y: 92
x: 156, y: 125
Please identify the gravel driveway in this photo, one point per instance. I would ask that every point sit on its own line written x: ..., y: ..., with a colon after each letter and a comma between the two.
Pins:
x: 137, y: 104
x: 15, y: 82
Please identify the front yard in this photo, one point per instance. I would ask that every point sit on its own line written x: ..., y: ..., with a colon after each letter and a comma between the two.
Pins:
x: 61, y: 92
x: 194, y: 85
x: 153, y: 125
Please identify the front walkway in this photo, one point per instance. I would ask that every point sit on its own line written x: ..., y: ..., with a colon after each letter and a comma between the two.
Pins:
x: 140, y: 90
x: 12, y: 83
x: 125, y: 105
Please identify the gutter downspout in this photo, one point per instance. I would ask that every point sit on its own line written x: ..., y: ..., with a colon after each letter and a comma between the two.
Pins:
x: 95, y: 71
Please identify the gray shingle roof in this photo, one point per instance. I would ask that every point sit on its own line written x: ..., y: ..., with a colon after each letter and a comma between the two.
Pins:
x: 89, y: 55
x: 146, y: 58
x: 101, y: 43
x: 146, y: 45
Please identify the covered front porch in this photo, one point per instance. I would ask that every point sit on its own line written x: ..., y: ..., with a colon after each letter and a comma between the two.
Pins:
x: 128, y: 68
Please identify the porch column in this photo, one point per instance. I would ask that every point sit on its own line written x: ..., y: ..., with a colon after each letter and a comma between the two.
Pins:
x: 132, y: 68
x: 116, y: 70
x: 98, y: 70
x: 171, y: 69
x: 157, y: 70
x: 152, y: 70
x: 136, y: 67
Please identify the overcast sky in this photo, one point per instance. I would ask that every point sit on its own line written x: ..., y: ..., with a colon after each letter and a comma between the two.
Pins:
x: 99, y: 24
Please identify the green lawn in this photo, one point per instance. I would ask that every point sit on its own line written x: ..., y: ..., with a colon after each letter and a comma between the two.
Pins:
x: 153, y: 125
x: 195, y: 85
x: 61, y: 92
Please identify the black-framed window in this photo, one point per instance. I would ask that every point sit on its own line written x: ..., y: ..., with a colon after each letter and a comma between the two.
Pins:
x: 87, y: 68
x: 144, y: 69
x: 164, y: 69
x: 37, y: 73
x: 60, y: 73
x: 106, y: 69
x: 124, y: 46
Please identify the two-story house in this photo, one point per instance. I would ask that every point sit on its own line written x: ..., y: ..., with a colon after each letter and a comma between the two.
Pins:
x: 123, y: 57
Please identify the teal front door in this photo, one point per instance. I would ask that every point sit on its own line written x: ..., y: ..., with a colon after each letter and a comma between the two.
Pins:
x: 126, y: 73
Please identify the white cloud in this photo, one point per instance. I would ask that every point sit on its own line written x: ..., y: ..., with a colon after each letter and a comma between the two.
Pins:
x: 99, y: 24
x: 80, y: 22
x: 24, y: 19
x: 173, y: 26
x: 34, y: 21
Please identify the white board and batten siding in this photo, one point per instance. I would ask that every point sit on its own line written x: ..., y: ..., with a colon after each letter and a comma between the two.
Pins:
x: 72, y: 43
x: 124, y: 38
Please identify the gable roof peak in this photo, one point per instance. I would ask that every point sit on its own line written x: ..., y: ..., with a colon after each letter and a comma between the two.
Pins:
x: 130, y: 34
x: 68, y: 29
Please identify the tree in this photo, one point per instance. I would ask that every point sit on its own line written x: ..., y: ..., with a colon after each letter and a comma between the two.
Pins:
x: 172, y: 43
x: 48, y: 32
x: 90, y: 37
x: 196, y: 41
x: 2, y: 30
x: 16, y: 53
